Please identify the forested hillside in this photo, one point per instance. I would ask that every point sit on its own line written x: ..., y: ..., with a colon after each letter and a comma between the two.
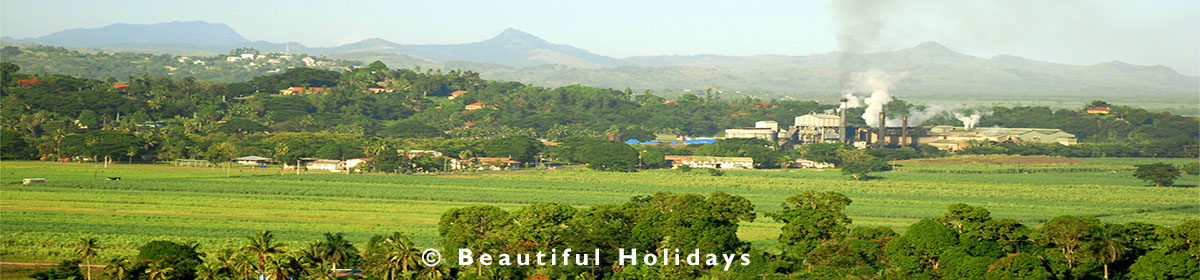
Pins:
x: 337, y: 113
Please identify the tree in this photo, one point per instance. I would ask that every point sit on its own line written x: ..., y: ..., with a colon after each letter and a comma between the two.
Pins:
x: 478, y: 227
x: 652, y: 158
x: 397, y: 253
x: 88, y: 118
x: 857, y: 163
x: 1070, y: 234
x: 87, y: 249
x: 921, y: 250
x: 1108, y: 246
x: 221, y: 152
x: 165, y: 259
x: 117, y: 267
x: 600, y: 154
x: 158, y: 272
x: 1018, y: 267
x: 67, y: 269
x: 335, y: 249
x: 809, y: 219
x: 262, y: 245
x: 521, y: 148
x: 15, y: 146
x: 1161, y: 174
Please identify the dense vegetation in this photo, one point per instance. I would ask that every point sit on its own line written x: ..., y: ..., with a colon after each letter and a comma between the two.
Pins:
x: 816, y: 240
x: 161, y: 118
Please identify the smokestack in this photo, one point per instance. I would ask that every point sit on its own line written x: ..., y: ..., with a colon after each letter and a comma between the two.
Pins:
x: 842, y: 122
x: 904, y: 131
x: 882, y: 129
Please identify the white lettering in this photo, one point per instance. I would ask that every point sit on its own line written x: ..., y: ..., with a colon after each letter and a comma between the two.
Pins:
x: 632, y: 256
x: 464, y: 256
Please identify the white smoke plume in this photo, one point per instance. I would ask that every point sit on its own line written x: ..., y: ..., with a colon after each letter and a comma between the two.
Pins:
x: 877, y: 83
x: 969, y: 121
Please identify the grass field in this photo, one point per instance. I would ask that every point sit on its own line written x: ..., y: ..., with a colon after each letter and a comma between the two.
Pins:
x: 187, y: 203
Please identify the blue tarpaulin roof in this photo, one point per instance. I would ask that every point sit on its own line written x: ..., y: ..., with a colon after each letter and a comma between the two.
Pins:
x: 651, y: 143
x: 700, y: 141
x: 632, y: 141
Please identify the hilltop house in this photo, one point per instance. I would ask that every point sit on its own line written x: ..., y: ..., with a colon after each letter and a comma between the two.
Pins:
x: 455, y: 94
x: 1099, y: 111
x: 475, y: 106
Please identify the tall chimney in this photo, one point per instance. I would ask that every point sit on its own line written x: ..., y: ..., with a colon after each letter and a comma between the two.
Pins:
x: 882, y: 129
x: 904, y: 131
x: 842, y: 122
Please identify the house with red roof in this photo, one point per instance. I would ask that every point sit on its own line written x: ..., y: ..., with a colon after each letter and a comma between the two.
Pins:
x: 475, y: 106
x: 455, y: 94
x: 1099, y: 111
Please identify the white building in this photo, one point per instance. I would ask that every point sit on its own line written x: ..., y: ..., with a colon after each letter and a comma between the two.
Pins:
x: 327, y: 165
x: 711, y: 162
x: 355, y: 162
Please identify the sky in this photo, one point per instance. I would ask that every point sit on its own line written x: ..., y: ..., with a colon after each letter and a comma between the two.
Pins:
x: 1083, y: 32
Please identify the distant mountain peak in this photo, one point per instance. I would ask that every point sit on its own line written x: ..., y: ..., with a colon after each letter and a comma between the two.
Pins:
x: 512, y: 34
x: 934, y: 46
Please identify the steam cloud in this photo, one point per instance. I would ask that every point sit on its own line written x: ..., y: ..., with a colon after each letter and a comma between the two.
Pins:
x: 877, y: 83
x: 860, y: 26
x: 969, y: 121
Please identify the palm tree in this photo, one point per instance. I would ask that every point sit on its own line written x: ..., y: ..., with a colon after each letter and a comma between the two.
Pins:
x: 210, y: 270
x: 433, y: 272
x: 281, y: 267
x: 242, y: 264
x: 398, y: 252
x: 117, y: 267
x: 1107, y: 243
x: 262, y: 244
x: 87, y: 249
x: 159, y: 273
x: 335, y: 249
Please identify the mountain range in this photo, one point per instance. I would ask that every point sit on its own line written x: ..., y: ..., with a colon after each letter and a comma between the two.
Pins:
x: 932, y: 71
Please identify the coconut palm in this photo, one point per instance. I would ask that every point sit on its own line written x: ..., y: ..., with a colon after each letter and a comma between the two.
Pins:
x: 210, y: 270
x: 1108, y: 246
x: 433, y: 273
x: 262, y: 245
x: 282, y: 267
x: 159, y: 273
x: 398, y: 253
x: 117, y: 267
x: 87, y: 249
x: 242, y: 263
x: 335, y: 249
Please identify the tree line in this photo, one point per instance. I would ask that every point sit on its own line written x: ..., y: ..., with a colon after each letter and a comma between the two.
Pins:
x: 817, y: 241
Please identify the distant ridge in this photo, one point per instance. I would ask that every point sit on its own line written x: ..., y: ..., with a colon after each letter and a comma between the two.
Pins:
x: 934, y: 70
x: 196, y: 33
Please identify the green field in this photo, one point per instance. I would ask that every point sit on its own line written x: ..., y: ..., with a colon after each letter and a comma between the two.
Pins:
x: 202, y: 204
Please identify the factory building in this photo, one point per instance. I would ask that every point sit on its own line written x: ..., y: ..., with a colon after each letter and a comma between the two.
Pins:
x: 811, y: 128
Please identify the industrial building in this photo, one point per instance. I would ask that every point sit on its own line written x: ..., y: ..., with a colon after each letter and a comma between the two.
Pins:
x: 811, y: 128
x: 826, y: 128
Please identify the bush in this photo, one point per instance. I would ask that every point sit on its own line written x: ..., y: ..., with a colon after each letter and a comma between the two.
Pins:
x: 715, y: 172
x: 67, y: 269
x: 1190, y: 168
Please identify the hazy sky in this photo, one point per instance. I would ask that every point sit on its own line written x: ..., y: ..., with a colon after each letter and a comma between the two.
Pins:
x: 1066, y: 31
